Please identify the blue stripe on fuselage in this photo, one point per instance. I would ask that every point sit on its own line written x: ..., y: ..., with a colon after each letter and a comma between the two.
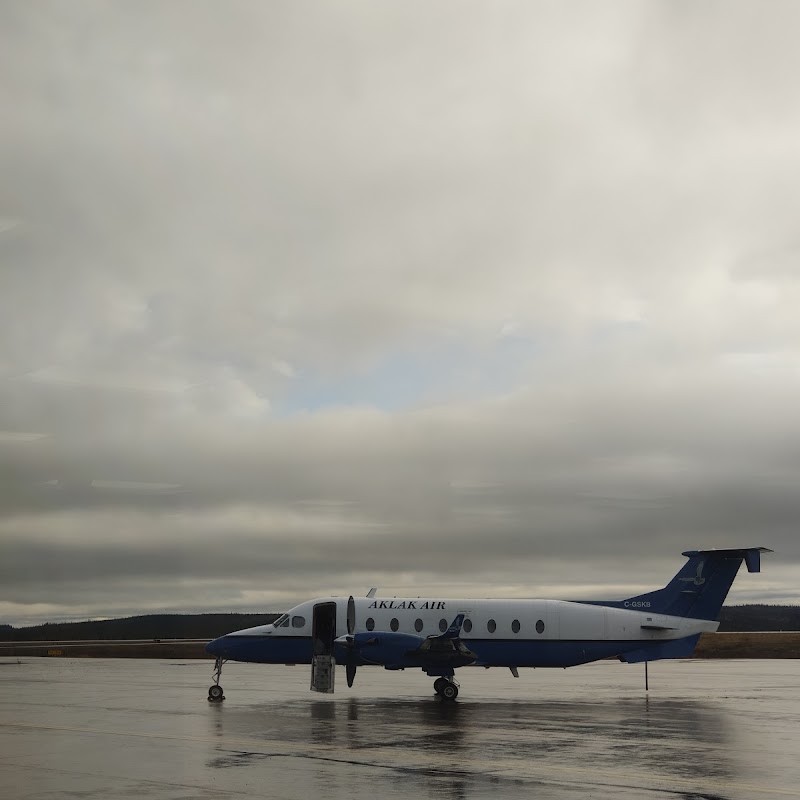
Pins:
x: 490, y: 652
x: 262, y: 649
x: 550, y: 653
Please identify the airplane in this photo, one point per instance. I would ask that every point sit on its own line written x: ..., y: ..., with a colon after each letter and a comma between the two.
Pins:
x: 439, y: 635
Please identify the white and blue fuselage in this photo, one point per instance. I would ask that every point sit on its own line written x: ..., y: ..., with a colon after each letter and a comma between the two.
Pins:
x: 501, y: 633
x: 440, y: 635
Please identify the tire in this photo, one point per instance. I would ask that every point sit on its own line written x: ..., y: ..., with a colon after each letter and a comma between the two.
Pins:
x: 215, y: 693
x: 450, y: 692
x: 439, y: 684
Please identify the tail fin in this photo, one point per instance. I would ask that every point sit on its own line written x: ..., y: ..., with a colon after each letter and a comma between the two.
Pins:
x: 701, y: 586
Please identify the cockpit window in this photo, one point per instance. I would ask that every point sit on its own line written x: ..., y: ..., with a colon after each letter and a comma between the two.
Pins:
x: 298, y: 622
x: 281, y: 622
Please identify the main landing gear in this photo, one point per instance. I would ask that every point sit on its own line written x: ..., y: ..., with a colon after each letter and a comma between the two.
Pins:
x: 215, y: 693
x: 446, y: 688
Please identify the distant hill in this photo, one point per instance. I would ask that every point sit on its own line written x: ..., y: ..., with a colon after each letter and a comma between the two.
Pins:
x: 209, y: 626
x: 153, y: 626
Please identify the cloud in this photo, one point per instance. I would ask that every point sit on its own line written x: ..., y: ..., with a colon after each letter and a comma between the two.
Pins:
x: 477, y: 297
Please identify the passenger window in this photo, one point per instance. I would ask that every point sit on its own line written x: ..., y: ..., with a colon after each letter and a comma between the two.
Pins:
x: 467, y: 625
x: 298, y: 622
x: 539, y: 626
x: 418, y: 626
x: 491, y: 626
x: 370, y: 624
x: 394, y: 624
x: 442, y: 625
x: 515, y: 626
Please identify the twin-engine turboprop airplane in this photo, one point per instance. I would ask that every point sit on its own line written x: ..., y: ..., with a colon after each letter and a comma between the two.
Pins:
x: 440, y: 635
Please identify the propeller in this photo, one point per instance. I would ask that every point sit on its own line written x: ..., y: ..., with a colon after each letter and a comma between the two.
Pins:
x: 350, y: 664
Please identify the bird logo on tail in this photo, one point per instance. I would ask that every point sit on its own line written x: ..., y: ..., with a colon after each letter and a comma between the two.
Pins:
x: 697, y: 580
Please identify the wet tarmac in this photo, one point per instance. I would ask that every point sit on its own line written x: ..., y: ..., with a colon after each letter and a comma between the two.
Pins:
x: 85, y: 728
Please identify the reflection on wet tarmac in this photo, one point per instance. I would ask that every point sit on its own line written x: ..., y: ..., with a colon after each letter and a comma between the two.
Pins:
x: 725, y: 730
x: 451, y: 746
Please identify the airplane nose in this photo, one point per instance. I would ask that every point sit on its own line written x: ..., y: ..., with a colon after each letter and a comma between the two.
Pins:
x: 217, y: 647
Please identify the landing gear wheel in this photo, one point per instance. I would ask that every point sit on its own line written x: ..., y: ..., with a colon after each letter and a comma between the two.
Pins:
x: 439, y: 684
x: 449, y: 691
x: 215, y: 693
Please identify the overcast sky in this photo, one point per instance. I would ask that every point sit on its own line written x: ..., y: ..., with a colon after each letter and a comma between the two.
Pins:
x: 442, y: 297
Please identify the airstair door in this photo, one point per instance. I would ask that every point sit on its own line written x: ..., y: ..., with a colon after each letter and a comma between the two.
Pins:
x: 323, y: 633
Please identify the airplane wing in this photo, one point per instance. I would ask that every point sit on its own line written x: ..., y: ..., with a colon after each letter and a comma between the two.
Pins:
x: 400, y: 650
x: 446, y: 649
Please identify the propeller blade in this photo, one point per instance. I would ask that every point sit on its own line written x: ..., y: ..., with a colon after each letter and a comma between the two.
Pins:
x: 351, y: 628
x: 351, y: 616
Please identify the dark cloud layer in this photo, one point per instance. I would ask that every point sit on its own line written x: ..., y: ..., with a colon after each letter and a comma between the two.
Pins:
x: 499, y: 299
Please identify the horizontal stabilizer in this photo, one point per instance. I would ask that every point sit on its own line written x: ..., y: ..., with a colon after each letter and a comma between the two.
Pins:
x: 751, y: 555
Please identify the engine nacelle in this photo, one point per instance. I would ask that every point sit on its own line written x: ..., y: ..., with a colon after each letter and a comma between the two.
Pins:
x: 385, y: 647
x: 396, y: 650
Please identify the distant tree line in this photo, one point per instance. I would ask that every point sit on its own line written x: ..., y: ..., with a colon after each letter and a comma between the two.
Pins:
x: 209, y: 626
x: 760, y: 618
x: 152, y: 626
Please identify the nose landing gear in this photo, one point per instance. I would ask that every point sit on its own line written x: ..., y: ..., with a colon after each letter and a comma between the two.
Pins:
x: 215, y: 693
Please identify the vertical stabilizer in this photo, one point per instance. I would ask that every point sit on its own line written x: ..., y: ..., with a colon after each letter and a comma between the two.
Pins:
x: 701, y: 586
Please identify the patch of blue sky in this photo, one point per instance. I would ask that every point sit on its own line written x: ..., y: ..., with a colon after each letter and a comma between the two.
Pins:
x: 418, y: 378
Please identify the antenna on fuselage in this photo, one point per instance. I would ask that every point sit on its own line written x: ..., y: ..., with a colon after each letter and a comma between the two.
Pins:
x: 371, y: 592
